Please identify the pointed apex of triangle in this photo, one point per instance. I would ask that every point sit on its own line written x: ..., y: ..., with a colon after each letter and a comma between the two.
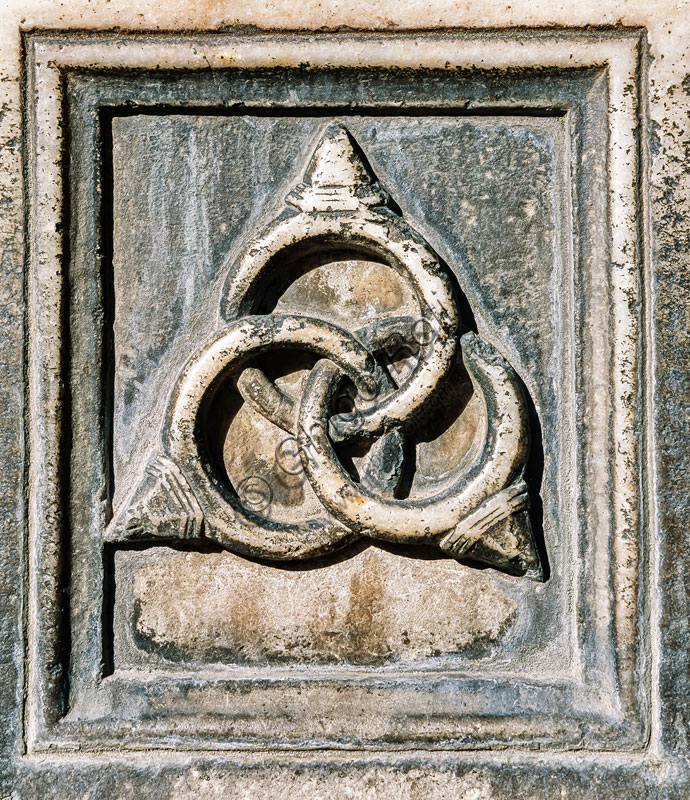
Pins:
x: 337, y: 177
x: 336, y: 163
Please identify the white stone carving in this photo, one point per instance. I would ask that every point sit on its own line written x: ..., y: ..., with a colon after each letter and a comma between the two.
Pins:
x: 480, y: 513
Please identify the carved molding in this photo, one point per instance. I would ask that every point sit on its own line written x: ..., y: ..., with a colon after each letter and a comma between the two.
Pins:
x: 586, y: 693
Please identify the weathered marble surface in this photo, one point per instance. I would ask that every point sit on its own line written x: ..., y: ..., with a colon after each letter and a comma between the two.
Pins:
x: 372, y: 608
x: 658, y: 769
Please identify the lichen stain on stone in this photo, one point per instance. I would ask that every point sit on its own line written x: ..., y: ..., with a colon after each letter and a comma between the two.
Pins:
x: 374, y: 607
x: 364, y: 636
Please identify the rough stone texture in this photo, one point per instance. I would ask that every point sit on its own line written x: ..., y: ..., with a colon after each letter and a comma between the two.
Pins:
x: 371, y: 608
x: 650, y: 765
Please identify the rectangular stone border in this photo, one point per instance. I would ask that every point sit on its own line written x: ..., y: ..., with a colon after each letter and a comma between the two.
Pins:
x: 49, y: 55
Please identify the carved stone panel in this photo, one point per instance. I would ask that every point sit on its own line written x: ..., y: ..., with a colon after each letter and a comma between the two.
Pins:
x: 430, y: 452
x: 331, y: 409
x: 338, y: 373
x: 346, y: 281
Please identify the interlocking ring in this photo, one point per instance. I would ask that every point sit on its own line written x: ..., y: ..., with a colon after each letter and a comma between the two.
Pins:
x: 481, y: 513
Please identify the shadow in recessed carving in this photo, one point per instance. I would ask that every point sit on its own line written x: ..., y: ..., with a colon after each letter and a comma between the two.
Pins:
x: 534, y: 473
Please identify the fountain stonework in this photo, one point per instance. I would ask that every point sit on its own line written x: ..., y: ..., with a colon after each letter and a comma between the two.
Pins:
x: 345, y: 401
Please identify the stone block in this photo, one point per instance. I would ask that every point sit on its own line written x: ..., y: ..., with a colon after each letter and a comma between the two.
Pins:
x: 346, y: 453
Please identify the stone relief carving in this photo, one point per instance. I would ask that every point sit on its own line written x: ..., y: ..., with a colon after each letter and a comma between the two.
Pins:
x: 164, y: 653
x: 349, y: 426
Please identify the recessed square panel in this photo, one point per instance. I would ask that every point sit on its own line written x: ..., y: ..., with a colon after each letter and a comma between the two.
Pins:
x: 492, y: 203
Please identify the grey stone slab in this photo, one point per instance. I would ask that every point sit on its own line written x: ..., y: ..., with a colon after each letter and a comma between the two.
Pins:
x: 495, y: 241
x: 190, y: 606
